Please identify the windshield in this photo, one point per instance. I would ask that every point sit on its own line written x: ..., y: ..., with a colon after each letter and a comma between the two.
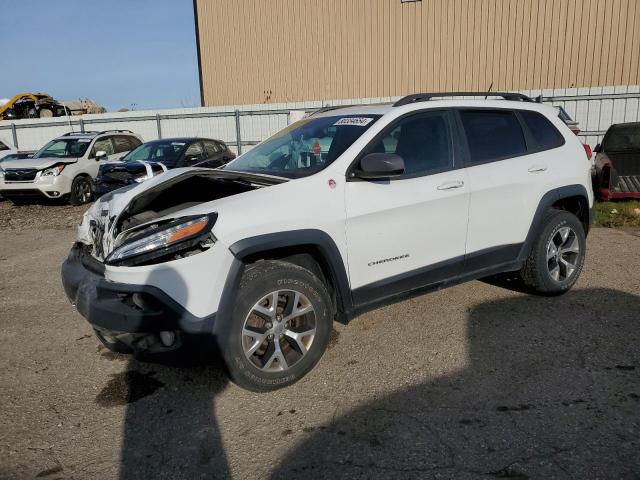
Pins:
x: 622, y: 137
x: 166, y: 151
x: 304, y: 147
x: 64, y: 148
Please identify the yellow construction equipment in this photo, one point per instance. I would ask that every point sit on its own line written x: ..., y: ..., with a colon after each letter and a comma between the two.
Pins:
x: 32, y: 105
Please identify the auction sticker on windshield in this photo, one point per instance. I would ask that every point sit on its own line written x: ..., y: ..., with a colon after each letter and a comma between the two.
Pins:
x: 355, y: 121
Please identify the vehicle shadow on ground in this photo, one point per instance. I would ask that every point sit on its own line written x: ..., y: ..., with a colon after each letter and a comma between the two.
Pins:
x: 551, y: 391
x: 174, y: 432
x: 170, y: 428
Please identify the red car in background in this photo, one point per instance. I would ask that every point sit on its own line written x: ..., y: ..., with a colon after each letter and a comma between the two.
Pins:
x: 617, y: 163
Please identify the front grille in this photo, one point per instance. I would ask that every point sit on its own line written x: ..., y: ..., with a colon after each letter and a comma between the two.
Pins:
x: 20, y: 174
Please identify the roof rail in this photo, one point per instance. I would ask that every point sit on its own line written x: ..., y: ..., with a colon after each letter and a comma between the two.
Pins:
x: 88, y: 132
x: 117, y: 131
x: 422, y: 97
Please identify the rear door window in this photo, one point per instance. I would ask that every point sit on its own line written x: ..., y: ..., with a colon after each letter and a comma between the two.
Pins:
x: 542, y: 130
x: 493, y: 135
x: 103, y: 144
x: 194, y: 154
x: 122, y: 144
x: 211, y: 148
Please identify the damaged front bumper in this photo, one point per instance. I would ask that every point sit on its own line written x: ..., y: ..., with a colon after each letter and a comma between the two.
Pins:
x: 120, y: 308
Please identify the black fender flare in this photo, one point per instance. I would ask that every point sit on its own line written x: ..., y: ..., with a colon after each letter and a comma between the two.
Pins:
x: 546, y: 202
x: 292, y: 238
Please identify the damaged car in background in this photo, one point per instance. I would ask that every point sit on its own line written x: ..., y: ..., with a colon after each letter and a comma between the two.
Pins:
x: 617, y: 163
x: 155, y: 157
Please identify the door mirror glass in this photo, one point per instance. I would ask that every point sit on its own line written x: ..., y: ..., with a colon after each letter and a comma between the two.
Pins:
x: 381, y: 165
x: 598, y: 148
x: 101, y: 155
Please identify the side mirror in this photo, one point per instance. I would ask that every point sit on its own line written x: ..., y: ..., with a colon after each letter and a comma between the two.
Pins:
x: 101, y: 155
x: 380, y: 165
x: 598, y: 148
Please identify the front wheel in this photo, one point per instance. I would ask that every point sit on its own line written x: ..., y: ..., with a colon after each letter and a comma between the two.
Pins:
x: 81, y: 191
x: 557, y: 256
x: 280, y: 326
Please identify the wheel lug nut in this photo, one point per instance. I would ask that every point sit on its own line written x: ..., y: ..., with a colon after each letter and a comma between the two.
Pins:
x: 269, y: 325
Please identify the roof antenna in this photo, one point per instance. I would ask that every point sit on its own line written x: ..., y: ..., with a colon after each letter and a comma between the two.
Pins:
x: 490, y: 87
x: 66, y: 112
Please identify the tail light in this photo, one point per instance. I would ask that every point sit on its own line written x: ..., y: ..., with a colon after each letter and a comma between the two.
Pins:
x: 587, y: 150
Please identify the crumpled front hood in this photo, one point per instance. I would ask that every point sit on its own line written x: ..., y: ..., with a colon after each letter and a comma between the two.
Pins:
x: 97, y: 224
x: 37, y: 163
x: 160, y: 198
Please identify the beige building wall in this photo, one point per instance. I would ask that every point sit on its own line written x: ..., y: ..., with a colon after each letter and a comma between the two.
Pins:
x: 267, y: 51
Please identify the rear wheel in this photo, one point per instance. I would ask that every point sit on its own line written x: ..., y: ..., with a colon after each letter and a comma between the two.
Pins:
x: 280, y: 326
x: 81, y: 191
x: 557, y: 256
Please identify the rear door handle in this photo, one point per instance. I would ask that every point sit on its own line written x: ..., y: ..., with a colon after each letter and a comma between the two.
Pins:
x: 537, y: 168
x: 451, y: 185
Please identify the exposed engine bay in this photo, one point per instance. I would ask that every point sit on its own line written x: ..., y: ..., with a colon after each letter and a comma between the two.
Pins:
x: 154, y: 207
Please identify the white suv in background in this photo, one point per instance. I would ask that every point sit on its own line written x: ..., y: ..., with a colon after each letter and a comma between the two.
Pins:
x: 263, y: 254
x: 66, y: 166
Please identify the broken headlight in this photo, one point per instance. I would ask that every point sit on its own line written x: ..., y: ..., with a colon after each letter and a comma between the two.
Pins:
x: 164, y: 240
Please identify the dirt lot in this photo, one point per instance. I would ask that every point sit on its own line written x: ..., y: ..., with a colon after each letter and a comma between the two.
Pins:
x: 476, y: 381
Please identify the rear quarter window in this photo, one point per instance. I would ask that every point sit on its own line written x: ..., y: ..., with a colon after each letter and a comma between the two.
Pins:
x: 545, y: 134
x: 493, y: 135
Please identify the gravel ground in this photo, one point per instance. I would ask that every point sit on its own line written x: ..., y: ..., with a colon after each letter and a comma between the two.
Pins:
x: 476, y: 381
x: 51, y: 215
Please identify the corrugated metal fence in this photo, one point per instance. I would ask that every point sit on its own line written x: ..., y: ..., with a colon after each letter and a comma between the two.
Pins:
x: 242, y: 127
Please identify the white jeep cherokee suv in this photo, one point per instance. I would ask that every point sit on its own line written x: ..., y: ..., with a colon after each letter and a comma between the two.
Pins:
x: 65, y: 167
x: 264, y: 254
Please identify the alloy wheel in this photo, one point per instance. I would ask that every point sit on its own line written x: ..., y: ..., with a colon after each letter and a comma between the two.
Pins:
x: 83, y: 191
x: 563, y: 254
x: 279, y: 330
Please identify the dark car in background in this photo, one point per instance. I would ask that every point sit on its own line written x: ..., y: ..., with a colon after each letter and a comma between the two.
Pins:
x: 617, y: 163
x: 20, y: 155
x: 155, y: 157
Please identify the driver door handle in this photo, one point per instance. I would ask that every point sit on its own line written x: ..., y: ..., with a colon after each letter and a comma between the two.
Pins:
x: 537, y: 168
x: 451, y: 185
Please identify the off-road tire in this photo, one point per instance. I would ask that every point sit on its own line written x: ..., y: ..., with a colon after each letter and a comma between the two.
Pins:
x: 260, y: 279
x: 75, y: 197
x: 535, y: 273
